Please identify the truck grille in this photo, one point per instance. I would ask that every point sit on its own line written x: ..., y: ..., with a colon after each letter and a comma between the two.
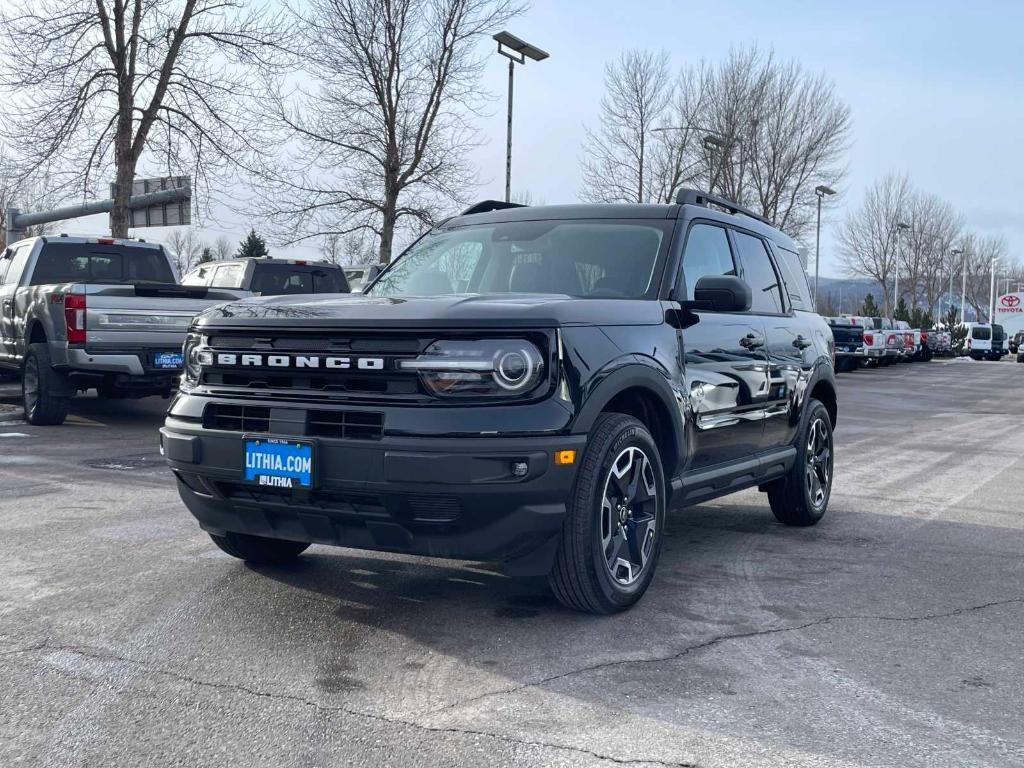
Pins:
x: 390, y: 384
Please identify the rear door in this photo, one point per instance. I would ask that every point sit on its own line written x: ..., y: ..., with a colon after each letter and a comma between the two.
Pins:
x: 788, y: 336
x: 725, y: 364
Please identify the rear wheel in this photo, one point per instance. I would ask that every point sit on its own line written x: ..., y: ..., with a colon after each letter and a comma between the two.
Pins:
x: 259, y: 549
x: 40, y: 385
x: 616, y: 513
x: 801, y: 497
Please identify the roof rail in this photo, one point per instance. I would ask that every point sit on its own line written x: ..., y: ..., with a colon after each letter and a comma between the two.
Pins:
x: 706, y: 199
x: 490, y: 205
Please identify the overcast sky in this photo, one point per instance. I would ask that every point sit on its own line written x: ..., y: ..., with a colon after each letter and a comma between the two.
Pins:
x: 935, y: 90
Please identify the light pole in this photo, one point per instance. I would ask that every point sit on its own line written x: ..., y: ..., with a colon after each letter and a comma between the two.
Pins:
x: 949, y: 296
x: 896, y: 288
x: 821, y: 190
x: 711, y: 138
x: 992, y: 291
x: 963, y: 294
x: 516, y: 51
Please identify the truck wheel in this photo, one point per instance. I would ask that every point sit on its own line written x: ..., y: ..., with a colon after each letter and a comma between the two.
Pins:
x: 616, y: 513
x: 258, y: 549
x: 39, y: 382
x: 801, y: 497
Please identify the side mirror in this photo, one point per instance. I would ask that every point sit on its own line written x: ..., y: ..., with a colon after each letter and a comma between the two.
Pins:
x: 720, y: 293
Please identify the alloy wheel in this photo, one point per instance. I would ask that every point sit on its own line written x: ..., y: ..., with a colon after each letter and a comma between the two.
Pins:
x: 818, y: 469
x: 629, y: 515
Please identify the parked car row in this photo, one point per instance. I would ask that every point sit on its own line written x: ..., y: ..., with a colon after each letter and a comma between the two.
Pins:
x: 879, y: 341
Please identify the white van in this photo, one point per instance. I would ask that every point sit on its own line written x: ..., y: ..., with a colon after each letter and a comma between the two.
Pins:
x: 984, y: 341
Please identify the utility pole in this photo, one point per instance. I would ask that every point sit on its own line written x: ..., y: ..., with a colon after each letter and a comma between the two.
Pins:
x: 992, y: 292
x: 896, y: 288
x: 963, y: 294
x: 820, y: 191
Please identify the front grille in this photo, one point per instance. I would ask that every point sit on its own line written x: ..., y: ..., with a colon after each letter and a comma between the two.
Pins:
x: 237, y: 418
x: 341, y: 425
x: 346, y: 425
x: 434, y: 508
x: 362, y: 504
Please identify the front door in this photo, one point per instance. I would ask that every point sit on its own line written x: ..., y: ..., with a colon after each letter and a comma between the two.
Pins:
x: 11, y: 267
x: 725, y: 362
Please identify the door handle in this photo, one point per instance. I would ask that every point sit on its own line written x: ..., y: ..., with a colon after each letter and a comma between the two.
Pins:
x: 8, y: 307
x: 752, y: 341
x: 802, y: 342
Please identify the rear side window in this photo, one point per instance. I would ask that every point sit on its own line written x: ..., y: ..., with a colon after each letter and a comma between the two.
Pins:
x: 228, y: 276
x: 982, y: 333
x: 198, y: 276
x: 766, y: 295
x: 95, y: 263
x: 707, y: 253
x: 795, y: 278
x: 285, y: 279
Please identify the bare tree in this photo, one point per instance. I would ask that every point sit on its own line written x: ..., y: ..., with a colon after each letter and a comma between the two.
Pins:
x: 349, y: 250
x: 26, y: 193
x: 101, y: 84
x: 926, y: 248
x: 617, y: 155
x: 378, y: 141
x: 867, y: 239
x: 223, y: 249
x: 186, y: 248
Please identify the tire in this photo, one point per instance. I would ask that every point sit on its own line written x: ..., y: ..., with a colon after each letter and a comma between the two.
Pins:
x: 258, y: 549
x: 607, y: 519
x: 796, y: 499
x: 40, y: 384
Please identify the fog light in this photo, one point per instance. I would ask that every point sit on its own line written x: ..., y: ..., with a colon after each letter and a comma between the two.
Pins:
x: 565, y: 457
x: 520, y: 468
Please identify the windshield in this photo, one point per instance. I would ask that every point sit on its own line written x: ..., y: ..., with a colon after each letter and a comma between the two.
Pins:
x: 587, y: 259
x: 97, y: 263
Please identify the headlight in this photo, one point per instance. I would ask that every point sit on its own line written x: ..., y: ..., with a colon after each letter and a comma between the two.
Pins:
x: 495, y: 367
x: 194, y: 355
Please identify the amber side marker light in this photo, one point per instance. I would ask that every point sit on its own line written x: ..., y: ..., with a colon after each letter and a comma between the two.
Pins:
x: 565, y: 457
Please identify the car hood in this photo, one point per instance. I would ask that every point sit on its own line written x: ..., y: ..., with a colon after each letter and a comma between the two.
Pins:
x: 460, y: 311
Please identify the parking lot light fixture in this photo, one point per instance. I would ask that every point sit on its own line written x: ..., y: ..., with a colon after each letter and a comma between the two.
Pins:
x: 517, y: 52
x: 821, y: 190
x: 896, y: 270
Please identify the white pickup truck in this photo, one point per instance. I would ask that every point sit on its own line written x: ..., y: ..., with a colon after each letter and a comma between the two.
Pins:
x: 874, y: 343
x: 92, y: 312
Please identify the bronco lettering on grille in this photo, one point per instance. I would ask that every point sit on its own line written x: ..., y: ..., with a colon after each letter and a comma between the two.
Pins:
x: 299, y: 361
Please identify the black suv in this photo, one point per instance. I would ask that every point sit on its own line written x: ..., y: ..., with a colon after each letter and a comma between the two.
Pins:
x: 536, y: 386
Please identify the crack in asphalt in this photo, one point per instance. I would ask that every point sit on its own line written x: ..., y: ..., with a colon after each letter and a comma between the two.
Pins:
x: 101, y: 655
x: 711, y: 642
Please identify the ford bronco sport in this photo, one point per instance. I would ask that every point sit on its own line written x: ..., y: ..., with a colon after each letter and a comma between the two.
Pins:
x: 536, y: 386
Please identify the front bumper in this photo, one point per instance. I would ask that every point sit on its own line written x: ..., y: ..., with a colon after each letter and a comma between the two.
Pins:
x: 451, y: 497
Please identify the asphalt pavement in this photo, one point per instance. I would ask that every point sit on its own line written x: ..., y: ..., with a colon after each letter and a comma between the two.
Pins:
x: 888, y: 635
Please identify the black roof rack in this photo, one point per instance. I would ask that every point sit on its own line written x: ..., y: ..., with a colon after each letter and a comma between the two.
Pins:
x: 696, y: 197
x: 490, y: 205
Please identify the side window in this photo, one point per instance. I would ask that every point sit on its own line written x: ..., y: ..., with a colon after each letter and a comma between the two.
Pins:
x: 766, y: 296
x: 228, y: 276
x: 5, y: 262
x: 12, y: 267
x: 198, y: 276
x: 707, y: 253
x: 795, y: 278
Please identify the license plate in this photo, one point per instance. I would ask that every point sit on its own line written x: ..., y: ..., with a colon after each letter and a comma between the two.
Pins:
x: 167, y: 360
x: 279, y: 463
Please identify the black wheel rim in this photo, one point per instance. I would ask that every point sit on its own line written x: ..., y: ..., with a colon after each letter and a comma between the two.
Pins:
x: 629, y: 516
x: 818, y: 464
x: 30, y: 386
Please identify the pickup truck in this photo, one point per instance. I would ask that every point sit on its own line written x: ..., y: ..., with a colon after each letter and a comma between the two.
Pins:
x: 78, y: 313
x: 849, y: 344
x: 874, y: 343
x: 916, y: 341
x: 269, y: 277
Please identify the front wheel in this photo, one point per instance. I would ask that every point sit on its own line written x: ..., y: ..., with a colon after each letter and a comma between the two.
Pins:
x: 801, y: 497
x: 259, y: 550
x: 616, y: 513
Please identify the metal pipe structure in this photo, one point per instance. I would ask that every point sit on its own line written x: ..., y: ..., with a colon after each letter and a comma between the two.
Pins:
x: 18, y: 222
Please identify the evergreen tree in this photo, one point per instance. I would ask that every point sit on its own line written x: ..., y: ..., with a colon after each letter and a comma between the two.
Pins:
x: 253, y: 246
x: 206, y: 255
x: 901, y: 313
x: 957, y: 331
x: 869, y: 308
x: 919, y: 318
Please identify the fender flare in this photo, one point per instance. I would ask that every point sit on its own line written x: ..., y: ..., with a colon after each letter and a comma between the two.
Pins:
x: 637, y: 375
